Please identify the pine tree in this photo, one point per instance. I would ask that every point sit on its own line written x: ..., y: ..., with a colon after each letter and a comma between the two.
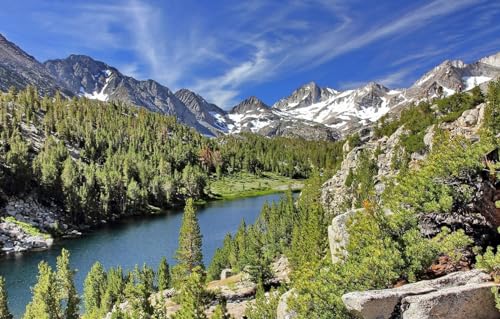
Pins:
x: 93, y: 289
x: 66, y: 286
x: 114, y: 288
x: 188, y: 254
x: 44, y: 304
x: 163, y: 275
x: 192, y: 296
x: 4, y: 310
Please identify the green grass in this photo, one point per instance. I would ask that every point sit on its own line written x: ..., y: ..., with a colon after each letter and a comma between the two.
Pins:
x: 248, y: 185
x: 27, y: 228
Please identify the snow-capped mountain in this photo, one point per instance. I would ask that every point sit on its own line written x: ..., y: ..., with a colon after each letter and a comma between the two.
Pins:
x: 311, y: 112
x: 346, y: 111
x: 306, y: 95
x: 253, y: 115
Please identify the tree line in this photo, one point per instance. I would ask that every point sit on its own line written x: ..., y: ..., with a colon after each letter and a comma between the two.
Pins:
x: 101, y: 160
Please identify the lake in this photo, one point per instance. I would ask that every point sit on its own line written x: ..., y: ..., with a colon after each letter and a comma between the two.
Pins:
x: 129, y: 242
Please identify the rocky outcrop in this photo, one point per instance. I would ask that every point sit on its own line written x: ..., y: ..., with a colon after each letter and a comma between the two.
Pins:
x: 283, y: 311
x: 281, y: 270
x: 474, y: 300
x: 336, y: 196
x: 15, y: 239
x: 338, y: 237
x: 26, y: 225
x: 468, y: 124
x: 225, y: 273
x: 457, y: 295
x: 29, y: 210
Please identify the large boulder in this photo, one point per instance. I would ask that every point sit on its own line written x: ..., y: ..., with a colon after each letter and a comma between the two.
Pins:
x: 468, y: 124
x: 281, y: 270
x: 387, y: 303
x: 225, y: 273
x: 463, y: 302
x: 338, y: 237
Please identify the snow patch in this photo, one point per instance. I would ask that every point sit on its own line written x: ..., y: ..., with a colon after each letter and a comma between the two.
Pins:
x: 472, y: 81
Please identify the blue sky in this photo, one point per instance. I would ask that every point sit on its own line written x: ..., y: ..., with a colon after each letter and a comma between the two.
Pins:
x: 229, y: 50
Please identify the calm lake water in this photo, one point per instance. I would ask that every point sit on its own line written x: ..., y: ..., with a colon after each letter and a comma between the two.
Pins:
x: 129, y: 242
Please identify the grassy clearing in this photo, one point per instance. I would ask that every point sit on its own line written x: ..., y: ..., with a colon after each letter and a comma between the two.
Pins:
x: 248, y: 185
x: 27, y: 228
x: 230, y: 281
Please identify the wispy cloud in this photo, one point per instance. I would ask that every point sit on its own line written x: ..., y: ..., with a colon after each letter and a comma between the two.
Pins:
x: 390, y: 80
x: 219, y: 54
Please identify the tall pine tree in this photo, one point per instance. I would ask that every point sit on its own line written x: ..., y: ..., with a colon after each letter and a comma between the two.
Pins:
x: 44, y: 304
x: 94, y: 288
x: 68, y: 295
x: 188, y: 254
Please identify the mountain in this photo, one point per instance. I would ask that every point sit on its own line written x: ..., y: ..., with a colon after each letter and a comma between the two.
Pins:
x: 207, y: 114
x: 253, y: 115
x: 306, y: 95
x: 93, y: 79
x: 350, y: 110
x: 311, y: 111
x: 19, y: 69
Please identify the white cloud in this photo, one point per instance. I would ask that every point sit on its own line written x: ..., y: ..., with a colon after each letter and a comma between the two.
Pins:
x: 218, y: 54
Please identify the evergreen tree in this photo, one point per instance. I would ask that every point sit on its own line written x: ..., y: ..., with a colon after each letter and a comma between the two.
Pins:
x: 70, y: 179
x: 4, y: 310
x: 264, y: 307
x: 93, y: 290
x: 163, y: 275
x: 68, y: 295
x: 192, y: 296
x: 17, y: 161
x: 114, y: 289
x: 44, y: 304
x: 188, y: 254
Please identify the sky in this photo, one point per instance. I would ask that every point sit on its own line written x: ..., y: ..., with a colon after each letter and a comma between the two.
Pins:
x: 229, y: 50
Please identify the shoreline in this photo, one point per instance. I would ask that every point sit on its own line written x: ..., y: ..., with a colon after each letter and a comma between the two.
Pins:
x: 82, y: 231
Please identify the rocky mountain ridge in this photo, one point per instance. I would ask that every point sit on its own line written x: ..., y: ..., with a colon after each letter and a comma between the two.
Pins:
x: 311, y: 112
x: 19, y: 69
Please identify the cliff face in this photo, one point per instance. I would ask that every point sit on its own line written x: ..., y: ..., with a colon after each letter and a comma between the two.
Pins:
x: 473, y: 210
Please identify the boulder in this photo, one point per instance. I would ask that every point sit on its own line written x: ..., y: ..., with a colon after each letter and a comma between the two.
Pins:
x: 283, y: 312
x: 281, y: 270
x: 463, y: 302
x: 338, y: 237
x: 225, y: 273
x: 386, y: 303
x: 468, y: 124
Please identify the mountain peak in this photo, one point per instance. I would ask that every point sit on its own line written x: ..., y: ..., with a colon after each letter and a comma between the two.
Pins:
x: 307, y: 94
x: 251, y: 103
x: 493, y: 60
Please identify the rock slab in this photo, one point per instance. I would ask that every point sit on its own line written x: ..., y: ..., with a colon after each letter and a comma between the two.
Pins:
x: 463, y: 294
